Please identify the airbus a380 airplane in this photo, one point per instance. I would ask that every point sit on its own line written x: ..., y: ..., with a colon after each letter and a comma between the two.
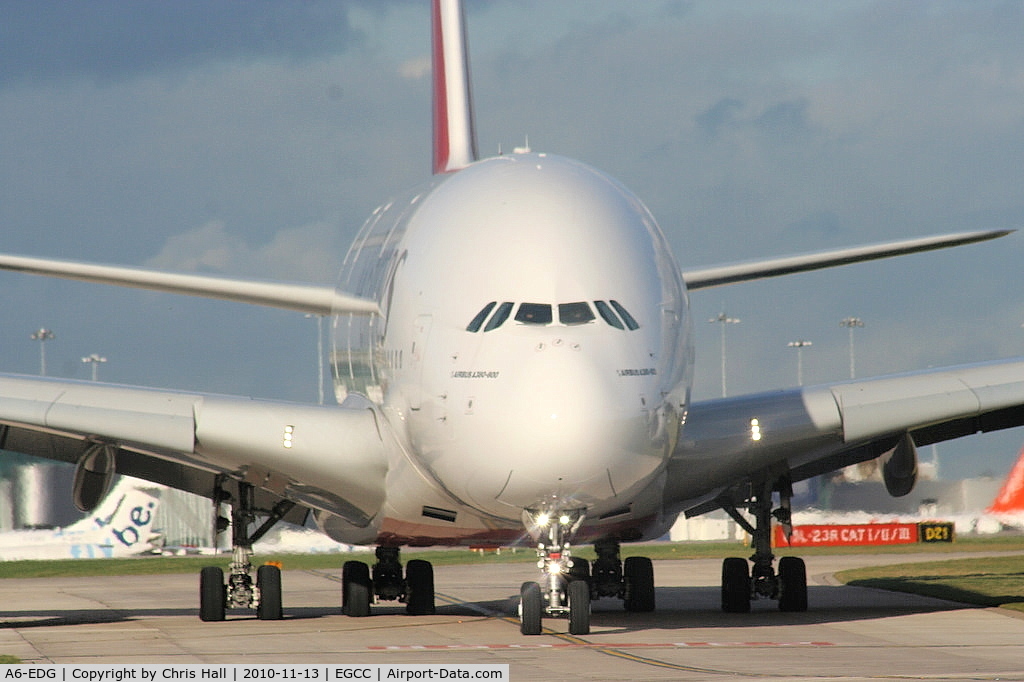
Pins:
x: 513, y: 342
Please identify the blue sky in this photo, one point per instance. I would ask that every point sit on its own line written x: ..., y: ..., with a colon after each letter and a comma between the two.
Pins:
x: 253, y: 139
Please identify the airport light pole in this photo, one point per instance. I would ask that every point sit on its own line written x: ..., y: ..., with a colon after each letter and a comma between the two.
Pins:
x: 95, y: 361
x: 723, y: 320
x: 852, y: 323
x: 319, y: 354
x: 799, y: 345
x: 42, y: 335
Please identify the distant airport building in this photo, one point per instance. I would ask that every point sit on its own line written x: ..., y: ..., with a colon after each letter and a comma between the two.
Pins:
x: 929, y: 498
x: 36, y: 494
x: 186, y: 520
x: 713, y: 527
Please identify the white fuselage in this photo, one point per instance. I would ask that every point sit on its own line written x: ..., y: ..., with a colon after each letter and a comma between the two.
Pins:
x: 534, y: 349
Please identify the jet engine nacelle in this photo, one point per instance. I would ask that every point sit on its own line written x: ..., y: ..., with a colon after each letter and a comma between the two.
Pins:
x: 899, y: 467
x: 94, y: 474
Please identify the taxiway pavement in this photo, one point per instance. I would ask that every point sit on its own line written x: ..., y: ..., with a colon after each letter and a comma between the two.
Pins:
x: 848, y: 633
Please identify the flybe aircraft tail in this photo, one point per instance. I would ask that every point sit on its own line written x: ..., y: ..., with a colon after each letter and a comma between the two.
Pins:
x: 1010, y: 500
x: 122, y: 525
x: 123, y: 504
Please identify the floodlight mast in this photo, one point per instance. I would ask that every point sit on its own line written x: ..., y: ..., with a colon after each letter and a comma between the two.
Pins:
x: 723, y: 320
x: 319, y: 354
x: 95, y: 360
x: 852, y: 323
x: 799, y: 345
x: 42, y: 335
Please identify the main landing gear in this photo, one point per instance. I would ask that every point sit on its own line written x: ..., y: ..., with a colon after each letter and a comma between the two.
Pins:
x: 569, y: 585
x: 740, y: 586
x: 360, y: 585
x: 240, y: 590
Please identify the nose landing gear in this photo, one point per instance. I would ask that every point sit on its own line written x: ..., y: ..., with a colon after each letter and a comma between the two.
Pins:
x: 569, y: 585
x: 563, y: 592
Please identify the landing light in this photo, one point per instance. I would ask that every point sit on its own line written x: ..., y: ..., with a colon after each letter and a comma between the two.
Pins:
x: 543, y: 520
x: 564, y: 519
x: 755, y: 430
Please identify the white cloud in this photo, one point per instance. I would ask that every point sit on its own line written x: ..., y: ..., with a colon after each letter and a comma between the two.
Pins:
x: 415, y: 69
x: 307, y: 253
x: 208, y: 247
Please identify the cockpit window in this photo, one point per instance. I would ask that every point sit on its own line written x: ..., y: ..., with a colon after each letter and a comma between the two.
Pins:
x: 476, y: 322
x: 493, y: 315
x: 575, y: 313
x: 631, y: 324
x: 608, y: 315
x: 499, y: 317
x: 534, y: 313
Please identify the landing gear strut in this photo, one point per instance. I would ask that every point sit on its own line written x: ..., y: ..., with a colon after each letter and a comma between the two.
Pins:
x: 557, y: 595
x: 360, y: 585
x: 240, y: 590
x: 631, y: 580
x: 569, y: 585
x: 789, y: 585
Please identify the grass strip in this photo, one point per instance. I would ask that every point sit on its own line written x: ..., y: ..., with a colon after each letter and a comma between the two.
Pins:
x: 153, y: 565
x: 985, y: 581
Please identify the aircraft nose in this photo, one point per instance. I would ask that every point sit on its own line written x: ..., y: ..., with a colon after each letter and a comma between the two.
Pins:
x: 566, y: 403
x: 563, y: 425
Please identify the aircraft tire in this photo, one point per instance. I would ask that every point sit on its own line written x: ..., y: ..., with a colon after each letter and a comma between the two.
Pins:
x: 580, y: 570
x: 419, y: 582
x: 356, y: 589
x: 268, y: 582
x: 792, y: 584
x: 531, y: 609
x: 735, y: 585
x: 638, y: 572
x: 579, y: 607
x: 212, y: 594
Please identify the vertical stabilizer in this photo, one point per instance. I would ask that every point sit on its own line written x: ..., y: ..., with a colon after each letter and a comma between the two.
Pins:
x: 454, y: 130
x: 1010, y: 499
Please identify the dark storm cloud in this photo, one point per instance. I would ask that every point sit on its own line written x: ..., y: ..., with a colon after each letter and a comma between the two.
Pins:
x: 113, y: 39
x: 722, y: 113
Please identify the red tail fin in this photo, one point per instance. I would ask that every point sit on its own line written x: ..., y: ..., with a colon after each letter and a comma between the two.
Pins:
x: 454, y: 130
x: 1011, y: 496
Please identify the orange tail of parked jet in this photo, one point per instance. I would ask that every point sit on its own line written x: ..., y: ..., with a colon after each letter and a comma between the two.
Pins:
x: 1010, y: 499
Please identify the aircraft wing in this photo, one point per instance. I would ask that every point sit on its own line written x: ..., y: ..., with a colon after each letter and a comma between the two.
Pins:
x: 321, y: 457
x: 720, y: 275
x: 730, y: 442
x: 305, y: 298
